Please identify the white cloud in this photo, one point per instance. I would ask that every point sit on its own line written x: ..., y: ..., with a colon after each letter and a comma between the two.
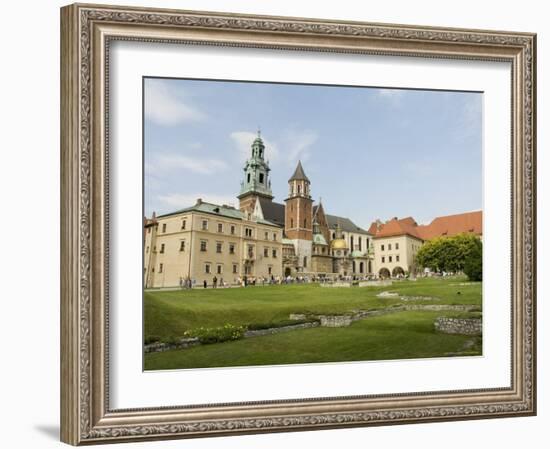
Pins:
x: 170, y: 162
x: 391, y: 96
x: 183, y: 200
x: 243, y: 141
x: 299, y: 146
x: 167, y: 106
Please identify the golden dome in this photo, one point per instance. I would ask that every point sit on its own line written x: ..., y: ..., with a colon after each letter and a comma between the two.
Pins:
x: 338, y: 244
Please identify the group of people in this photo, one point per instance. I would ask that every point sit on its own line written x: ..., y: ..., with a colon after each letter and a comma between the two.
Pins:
x: 245, y: 281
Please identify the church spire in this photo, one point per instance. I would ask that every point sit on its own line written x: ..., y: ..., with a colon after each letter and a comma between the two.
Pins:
x: 256, y: 175
x: 299, y: 174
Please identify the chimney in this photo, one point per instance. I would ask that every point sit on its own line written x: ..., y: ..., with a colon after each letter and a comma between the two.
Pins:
x: 199, y: 201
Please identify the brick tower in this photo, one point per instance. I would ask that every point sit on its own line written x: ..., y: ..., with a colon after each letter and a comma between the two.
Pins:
x: 299, y: 217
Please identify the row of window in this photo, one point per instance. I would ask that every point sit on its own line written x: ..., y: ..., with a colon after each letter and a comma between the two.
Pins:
x: 390, y: 259
x: 219, y: 248
x: 389, y: 247
x: 232, y: 229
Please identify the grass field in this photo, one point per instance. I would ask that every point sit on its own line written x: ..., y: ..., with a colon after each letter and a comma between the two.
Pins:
x: 401, y: 335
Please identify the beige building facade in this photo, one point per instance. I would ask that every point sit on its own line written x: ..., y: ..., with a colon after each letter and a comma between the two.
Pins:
x: 397, y: 241
x: 208, y: 241
x: 395, y: 256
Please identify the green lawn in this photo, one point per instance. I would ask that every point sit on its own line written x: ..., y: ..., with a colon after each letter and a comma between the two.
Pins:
x: 399, y: 335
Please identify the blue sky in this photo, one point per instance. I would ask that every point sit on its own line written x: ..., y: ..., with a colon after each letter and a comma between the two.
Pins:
x: 369, y: 152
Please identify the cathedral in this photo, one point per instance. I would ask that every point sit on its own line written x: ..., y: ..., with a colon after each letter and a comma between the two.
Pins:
x: 314, y: 243
x: 215, y: 244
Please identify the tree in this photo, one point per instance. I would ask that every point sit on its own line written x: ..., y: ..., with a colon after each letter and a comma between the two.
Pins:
x: 451, y: 254
x: 473, y: 267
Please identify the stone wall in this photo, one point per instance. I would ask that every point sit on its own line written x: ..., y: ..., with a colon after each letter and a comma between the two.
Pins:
x: 335, y: 320
x: 464, y: 326
x: 278, y: 330
x: 437, y: 307
x: 181, y: 344
x: 336, y: 284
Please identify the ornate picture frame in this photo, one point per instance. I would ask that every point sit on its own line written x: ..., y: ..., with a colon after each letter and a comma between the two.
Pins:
x: 87, y: 32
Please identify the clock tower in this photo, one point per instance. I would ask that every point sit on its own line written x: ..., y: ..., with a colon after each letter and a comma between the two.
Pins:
x: 256, y: 181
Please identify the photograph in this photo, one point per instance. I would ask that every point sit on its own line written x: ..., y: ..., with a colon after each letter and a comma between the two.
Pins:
x: 290, y: 223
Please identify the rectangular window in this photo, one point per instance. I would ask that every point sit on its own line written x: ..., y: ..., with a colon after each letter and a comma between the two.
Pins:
x: 207, y: 268
x: 397, y: 246
x: 231, y: 248
x: 266, y: 235
x: 383, y: 259
x: 162, y: 248
x: 261, y: 178
x: 203, y: 245
x: 397, y: 258
x: 205, y: 225
x: 389, y: 259
x: 218, y: 247
x: 266, y: 252
x: 274, y: 253
x: 161, y: 266
x: 269, y: 270
x: 163, y: 227
x: 183, y: 224
x: 219, y: 269
x: 235, y: 268
x: 381, y: 247
x: 274, y: 236
x: 182, y: 245
x: 389, y: 246
x: 248, y: 232
x: 232, y: 230
x: 220, y: 227
x: 250, y: 252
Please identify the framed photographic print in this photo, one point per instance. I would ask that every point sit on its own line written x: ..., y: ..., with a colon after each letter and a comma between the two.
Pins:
x: 279, y: 224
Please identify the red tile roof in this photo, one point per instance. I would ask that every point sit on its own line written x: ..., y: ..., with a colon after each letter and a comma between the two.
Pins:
x: 469, y: 222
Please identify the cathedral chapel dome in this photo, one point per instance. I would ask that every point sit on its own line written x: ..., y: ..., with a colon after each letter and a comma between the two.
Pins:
x: 339, y: 244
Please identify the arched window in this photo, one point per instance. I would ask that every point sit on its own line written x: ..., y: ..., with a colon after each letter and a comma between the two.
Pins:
x: 299, y: 189
x: 360, y: 249
x: 291, y: 222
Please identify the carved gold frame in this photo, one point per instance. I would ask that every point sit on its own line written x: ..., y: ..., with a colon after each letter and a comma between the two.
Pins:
x: 86, y: 32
